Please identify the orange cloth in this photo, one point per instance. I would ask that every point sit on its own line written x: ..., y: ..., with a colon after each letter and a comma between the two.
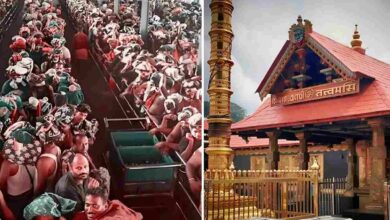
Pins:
x: 176, y: 54
x: 80, y: 45
x: 111, y: 83
x: 116, y: 210
x: 81, y: 54
x: 150, y: 100
x: 110, y: 56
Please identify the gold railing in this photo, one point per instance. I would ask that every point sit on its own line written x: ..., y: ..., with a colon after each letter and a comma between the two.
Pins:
x: 267, y: 193
x: 331, y: 191
x: 386, y: 200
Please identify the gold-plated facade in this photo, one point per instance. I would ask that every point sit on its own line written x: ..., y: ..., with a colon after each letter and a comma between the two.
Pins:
x: 221, y: 34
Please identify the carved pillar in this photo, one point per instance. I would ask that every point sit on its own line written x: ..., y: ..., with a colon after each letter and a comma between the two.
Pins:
x: 361, y: 151
x: 378, y: 156
x: 273, y: 154
x: 303, y: 155
x: 221, y: 35
x: 351, y: 176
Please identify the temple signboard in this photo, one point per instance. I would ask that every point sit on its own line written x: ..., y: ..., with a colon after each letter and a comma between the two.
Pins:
x: 324, y: 91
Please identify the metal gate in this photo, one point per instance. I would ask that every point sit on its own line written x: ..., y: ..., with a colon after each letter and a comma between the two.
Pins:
x: 386, y: 192
x: 331, y: 191
x: 267, y: 193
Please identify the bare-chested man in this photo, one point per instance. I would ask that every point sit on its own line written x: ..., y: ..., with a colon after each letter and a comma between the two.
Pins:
x: 194, y: 173
x: 18, y: 171
x: 48, y: 165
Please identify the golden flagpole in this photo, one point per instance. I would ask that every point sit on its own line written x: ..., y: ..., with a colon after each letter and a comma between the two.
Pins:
x: 221, y: 34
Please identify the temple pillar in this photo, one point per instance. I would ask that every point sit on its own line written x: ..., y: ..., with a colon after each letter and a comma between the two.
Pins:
x: 351, y: 176
x: 378, y: 156
x: 303, y: 155
x: 361, y: 151
x: 144, y: 19
x: 116, y: 6
x: 219, y: 90
x: 273, y: 154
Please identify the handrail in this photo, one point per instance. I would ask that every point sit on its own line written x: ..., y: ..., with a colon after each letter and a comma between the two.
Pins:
x: 8, y: 17
x: 386, y: 200
x: 154, y: 166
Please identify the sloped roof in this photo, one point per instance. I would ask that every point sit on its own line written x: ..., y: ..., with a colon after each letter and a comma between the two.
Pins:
x: 274, y: 64
x: 373, y: 99
x: 236, y: 142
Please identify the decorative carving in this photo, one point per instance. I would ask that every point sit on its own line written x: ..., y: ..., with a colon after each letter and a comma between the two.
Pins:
x: 351, y: 176
x: 330, y: 60
x: 273, y: 154
x: 378, y: 154
x: 219, y: 151
x: 297, y: 41
x: 303, y: 155
x: 278, y: 70
x: 308, y: 26
x: 297, y: 33
x: 258, y: 163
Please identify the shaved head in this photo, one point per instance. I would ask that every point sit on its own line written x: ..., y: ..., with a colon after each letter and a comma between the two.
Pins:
x: 79, y: 166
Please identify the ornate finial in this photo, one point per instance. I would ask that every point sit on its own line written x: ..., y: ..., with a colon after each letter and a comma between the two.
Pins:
x: 297, y: 32
x: 315, y: 165
x: 308, y: 26
x: 356, y: 43
x: 232, y: 166
x: 299, y: 19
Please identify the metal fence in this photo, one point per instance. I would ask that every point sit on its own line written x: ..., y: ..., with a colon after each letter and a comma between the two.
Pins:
x: 386, y: 200
x: 331, y: 191
x: 270, y: 194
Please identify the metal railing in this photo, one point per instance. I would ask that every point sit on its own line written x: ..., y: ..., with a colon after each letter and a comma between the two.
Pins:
x: 331, y: 190
x: 7, y: 20
x: 266, y: 193
x: 386, y: 192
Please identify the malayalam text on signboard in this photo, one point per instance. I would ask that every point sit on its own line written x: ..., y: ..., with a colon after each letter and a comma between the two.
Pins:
x: 323, y: 91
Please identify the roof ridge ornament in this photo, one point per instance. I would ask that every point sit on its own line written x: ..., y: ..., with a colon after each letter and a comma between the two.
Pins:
x: 298, y: 32
x: 299, y: 19
x: 356, y: 43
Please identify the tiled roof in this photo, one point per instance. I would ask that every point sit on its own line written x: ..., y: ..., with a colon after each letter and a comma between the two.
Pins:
x: 279, y: 56
x: 237, y: 142
x: 373, y: 99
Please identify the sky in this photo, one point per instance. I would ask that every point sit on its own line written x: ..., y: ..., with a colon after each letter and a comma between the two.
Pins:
x: 261, y: 27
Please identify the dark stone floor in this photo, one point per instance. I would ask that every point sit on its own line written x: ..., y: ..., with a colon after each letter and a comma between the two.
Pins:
x: 102, y: 101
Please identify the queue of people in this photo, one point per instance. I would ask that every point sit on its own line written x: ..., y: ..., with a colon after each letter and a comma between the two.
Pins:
x: 158, y: 73
x: 46, y: 171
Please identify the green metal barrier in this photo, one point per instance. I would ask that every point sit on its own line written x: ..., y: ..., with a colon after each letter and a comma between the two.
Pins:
x: 141, y: 168
x: 134, y: 138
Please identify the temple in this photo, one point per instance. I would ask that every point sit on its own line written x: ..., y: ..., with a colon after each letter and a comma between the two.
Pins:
x: 321, y: 100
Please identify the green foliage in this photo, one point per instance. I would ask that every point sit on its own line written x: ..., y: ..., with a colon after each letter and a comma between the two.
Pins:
x: 237, y: 112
